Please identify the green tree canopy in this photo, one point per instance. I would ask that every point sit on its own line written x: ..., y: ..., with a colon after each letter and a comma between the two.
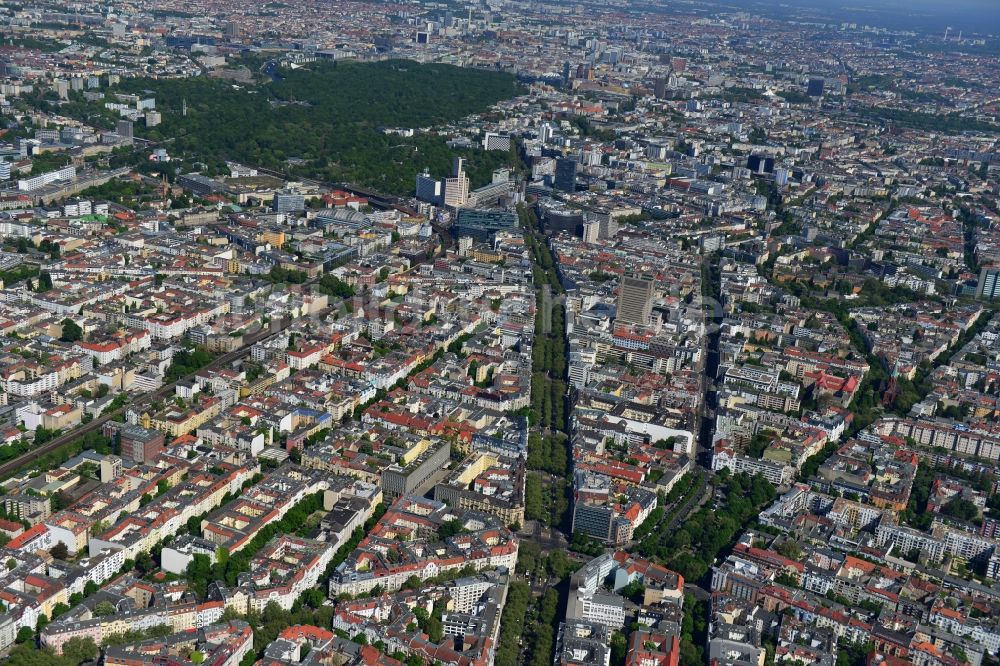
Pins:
x: 71, y: 331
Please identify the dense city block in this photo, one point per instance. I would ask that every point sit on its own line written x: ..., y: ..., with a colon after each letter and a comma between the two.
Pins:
x: 500, y: 333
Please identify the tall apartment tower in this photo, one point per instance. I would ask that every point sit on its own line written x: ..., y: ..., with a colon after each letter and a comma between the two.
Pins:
x: 456, y: 188
x: 125, y: 129
x: 635, y: 300
x: 545, y: 133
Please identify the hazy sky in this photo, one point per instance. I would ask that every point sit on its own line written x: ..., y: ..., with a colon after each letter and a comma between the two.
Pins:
x: 932, y: 15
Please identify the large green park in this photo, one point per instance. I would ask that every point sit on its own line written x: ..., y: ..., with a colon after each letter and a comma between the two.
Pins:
x: 324, y: 120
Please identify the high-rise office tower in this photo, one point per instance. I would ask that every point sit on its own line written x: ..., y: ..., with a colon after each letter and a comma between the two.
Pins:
x: 989, y: 283
x: 591, y: 231
x: 660, y: 88
x: 125, y: 129
x: 760, y: 164
x: 456, y: 188
x: 635, y: 300
x: 429, y: 189
x: 815, y: 88
x: 288, y: 202
x: 565, y: 179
